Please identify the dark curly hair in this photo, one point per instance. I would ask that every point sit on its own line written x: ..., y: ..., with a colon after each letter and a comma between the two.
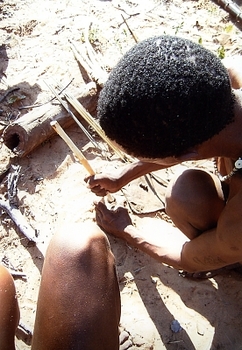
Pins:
x: 165, y: 95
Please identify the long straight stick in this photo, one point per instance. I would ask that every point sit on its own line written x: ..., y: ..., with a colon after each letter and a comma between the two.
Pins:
x: 84, y: 113
x: 82, y: 159
x: 73, y: 117
x: 56, y: 126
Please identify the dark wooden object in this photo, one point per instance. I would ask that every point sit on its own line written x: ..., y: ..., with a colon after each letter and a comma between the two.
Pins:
x: 33, y: 128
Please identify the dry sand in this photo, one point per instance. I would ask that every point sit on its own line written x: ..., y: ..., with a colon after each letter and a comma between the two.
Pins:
x: 51, y: 188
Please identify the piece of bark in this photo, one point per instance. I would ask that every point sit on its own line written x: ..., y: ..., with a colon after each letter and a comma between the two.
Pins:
x: 19, y: 220
x: 33, y: 128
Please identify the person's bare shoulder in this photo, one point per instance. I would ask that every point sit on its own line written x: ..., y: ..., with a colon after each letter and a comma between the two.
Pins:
x: 234, y: 67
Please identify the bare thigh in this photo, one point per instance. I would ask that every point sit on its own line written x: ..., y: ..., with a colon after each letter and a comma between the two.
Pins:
x: 79, y: 301
x: 194, y: 201
x: 9, y: 310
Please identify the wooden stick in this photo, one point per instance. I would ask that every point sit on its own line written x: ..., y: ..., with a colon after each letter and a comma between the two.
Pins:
x: 10, y: 206
x: 87, y: 116
x: 131, y: 32
x: 82, y: 159
x: 73, y: 116
x: 56, y: 126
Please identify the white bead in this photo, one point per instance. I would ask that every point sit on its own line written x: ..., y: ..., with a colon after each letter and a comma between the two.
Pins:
x: 238, y: 164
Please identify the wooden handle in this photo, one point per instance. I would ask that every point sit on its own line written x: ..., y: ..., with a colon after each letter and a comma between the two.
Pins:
x: 82, y: 159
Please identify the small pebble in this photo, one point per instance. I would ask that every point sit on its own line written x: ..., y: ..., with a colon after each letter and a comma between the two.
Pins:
x: 175, y: 326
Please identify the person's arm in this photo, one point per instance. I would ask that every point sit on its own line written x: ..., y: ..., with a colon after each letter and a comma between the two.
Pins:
x: 137, y: 169
x: 203, y: 253
x: 211, y: 250
x: 163, y: 242
x: 157, y: 244
x: 100, y: 184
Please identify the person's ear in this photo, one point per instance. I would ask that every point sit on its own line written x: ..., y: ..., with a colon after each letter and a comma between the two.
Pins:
x: 191, y: 154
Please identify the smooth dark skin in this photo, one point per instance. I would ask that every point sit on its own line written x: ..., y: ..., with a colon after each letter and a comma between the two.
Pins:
x: 9, y: 310
x: 210, y: 226
x: 195, y: 203
x: 79, y: 300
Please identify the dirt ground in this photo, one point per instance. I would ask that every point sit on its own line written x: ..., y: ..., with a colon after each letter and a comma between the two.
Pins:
x: 34, y: 48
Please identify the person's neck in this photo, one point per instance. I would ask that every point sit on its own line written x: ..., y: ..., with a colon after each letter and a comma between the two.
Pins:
x: 228, y: 143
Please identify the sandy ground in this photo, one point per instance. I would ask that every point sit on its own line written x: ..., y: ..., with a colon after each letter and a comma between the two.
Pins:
x: 35, y: 47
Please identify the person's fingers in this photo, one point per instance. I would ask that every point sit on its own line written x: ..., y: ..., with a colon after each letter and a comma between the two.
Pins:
x: 98, y: 218
x: 101, y: 209
x: 91, y: 181
x: 87, y: 178
x: 98, y: 190
x: 100, y: 205
x: 101, y: 192
x: 121, y: 210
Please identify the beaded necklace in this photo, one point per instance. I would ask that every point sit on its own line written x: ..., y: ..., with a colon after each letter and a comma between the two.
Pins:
x: 237, y: 166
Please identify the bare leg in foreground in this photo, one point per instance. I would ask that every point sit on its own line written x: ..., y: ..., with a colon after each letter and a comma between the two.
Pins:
x: 9, y: 310
x: 79, y: 300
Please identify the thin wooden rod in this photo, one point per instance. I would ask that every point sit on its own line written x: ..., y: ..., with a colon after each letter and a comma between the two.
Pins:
x: 82, y: 159
x: 84, y: 113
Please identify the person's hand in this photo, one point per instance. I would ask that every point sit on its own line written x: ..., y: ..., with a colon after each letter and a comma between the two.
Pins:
x: 101, y: 184
x: 114, y: 222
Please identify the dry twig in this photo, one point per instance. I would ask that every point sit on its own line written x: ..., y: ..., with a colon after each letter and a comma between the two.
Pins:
x: 10, y: 206
x: 89, y: 61
x: 131, y: 32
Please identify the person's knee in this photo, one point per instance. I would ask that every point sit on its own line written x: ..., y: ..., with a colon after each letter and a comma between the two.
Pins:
x: 180, y: 190
x: 9, y: 309
x: 192, y: 186
x: 8, y: 299
x: 77, y: 243
x: 84, y: 297
x: 196, y: 197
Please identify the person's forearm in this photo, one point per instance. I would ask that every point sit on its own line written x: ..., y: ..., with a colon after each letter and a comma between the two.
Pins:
x: 134, y: 170
x: 203, y: 253
x: 155, y: 244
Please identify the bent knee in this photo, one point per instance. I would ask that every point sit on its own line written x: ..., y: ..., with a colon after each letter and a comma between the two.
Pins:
x: 73, y: 241
x: 5, y: 277
x: 78, y: 257
x: 194, y: 188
